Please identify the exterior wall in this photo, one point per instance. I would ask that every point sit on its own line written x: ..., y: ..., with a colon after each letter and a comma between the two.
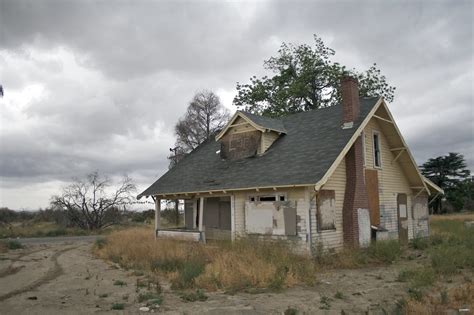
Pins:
x: 392, y: 181
x: 267, y: 140
x: 331, y: 238
x: 294, y: 196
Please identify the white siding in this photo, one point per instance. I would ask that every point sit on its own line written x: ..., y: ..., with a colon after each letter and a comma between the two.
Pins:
x: 331, y: 238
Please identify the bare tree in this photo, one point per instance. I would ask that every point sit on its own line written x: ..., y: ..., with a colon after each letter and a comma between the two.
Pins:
x: 204, y: 116
x: 92, y: 203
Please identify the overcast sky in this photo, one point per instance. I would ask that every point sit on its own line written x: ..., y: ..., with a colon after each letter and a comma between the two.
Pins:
x: 99, y: 85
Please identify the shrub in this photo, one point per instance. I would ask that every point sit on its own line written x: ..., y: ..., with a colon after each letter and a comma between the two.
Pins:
x: 118, y: 306
x: 291, y: 311
x: 100, y: 242
x: 197, y: 295
x: 385, y: 251
x: 187, y: 274
x: 142, y: 297
x: 420, y: 243
x: 14, y: 245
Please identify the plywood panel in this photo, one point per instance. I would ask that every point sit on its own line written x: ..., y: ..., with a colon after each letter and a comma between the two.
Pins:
x: 372, y: 184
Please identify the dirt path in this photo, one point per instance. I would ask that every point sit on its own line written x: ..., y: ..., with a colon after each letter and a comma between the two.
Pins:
x: 65, y: 278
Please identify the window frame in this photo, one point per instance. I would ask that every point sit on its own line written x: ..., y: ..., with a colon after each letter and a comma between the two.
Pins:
x: 277, y: 196
x: 379, y: 144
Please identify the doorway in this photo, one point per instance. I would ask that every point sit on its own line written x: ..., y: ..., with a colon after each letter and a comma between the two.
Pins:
x: 402, y: 210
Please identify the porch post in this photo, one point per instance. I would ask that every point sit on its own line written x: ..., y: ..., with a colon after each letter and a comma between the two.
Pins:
x: 157, y: 214
x: 232, y: 217
x: 201, y: 213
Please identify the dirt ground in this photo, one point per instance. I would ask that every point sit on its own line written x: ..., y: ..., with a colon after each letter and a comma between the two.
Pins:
x: 65, y: 278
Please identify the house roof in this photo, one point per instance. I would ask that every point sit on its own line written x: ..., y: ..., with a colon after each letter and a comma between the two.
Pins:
x: 312, y: 141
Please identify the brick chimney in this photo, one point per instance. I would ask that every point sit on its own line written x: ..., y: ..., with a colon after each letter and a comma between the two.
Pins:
x: 355, y: 196
x: 350, y: 101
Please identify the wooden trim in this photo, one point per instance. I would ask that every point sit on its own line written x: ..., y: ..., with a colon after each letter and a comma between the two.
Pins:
x: 356, y: 134
x: 239, y: 124
x: 235, y: 189
x: 397, y: 149
x: 406, y: 148
x: 398, y: 155
x: 383, y: 119
x: 229, y: 125
x: 349, y: 144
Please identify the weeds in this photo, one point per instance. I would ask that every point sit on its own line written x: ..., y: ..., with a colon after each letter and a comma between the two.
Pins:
x: 118, y: 306
x: 142, y: 297
x: 325, y: 303
x: 385, y: 251
x: 100, y: 242
x: 197, y: 295
x: 339, y: 295
x: 291, y: 311
x: 12, y: 245
x: 120, y: 283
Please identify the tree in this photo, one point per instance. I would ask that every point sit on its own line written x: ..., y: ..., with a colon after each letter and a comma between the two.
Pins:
x: 92, y: 203
x: 205, y: 115
x: 304, y: 78
x: 447, y: 172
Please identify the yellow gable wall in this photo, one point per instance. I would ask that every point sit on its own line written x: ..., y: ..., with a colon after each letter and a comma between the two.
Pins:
x: 392, y: 180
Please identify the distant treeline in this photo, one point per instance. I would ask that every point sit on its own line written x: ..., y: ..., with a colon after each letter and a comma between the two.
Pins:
x: 61, y: 217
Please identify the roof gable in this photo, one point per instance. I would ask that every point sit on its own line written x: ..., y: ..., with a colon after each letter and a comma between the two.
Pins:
x: 258, y: 122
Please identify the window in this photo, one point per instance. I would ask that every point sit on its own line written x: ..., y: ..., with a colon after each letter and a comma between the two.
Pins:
x: 268, y: 198
x: 377, y: 153
x: 326, y: 210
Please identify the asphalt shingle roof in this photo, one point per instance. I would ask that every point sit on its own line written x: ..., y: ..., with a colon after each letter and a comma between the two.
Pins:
x: 311, y: 143
x: 266, y: 122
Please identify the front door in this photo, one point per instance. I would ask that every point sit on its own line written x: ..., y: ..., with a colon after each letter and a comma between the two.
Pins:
x: 402, y: 218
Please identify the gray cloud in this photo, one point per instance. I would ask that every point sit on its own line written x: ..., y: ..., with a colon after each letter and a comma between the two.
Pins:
x: 94, y: 86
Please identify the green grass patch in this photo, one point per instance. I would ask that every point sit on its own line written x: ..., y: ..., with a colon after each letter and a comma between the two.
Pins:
x: 418, y: 277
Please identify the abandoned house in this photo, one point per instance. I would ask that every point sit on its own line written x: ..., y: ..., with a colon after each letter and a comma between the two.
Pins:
x: 335, y: 176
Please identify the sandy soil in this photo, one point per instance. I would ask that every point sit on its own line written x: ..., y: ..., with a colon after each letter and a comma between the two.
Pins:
x: 65, y: 278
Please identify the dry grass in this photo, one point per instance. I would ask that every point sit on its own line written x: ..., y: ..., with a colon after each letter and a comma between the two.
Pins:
x: 454, y: 216
x: 220, y: 266
x: 441, y: 303
x: 3, y: 247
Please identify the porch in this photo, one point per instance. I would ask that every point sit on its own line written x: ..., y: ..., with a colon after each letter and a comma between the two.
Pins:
x: 205, y: 218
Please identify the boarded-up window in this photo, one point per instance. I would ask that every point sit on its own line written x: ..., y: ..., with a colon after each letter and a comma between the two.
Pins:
x: 326, y: 210
x: 240, y: 145
x: 420, y: 207
x: 276, y: 218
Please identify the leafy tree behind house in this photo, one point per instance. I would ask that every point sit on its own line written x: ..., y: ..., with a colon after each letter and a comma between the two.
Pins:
x: 304, y: 78
x: 92, y: 203
x: 204, y: 116
x: 450, y: 173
